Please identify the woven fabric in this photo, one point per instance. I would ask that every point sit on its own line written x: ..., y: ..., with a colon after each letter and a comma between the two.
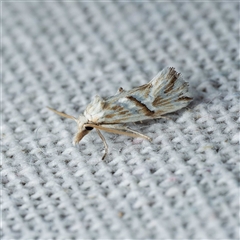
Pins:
x: 182, y: 185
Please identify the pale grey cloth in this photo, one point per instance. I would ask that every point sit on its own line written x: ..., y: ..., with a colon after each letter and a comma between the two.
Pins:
x: 182, y: 185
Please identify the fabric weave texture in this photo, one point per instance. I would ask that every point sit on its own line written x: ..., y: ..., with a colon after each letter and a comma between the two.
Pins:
x: 182, y: 185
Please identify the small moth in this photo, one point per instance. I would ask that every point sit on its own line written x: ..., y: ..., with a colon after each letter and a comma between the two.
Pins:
x: 166, y: 92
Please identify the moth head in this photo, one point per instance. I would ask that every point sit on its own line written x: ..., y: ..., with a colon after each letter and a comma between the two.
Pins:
x: 83, y: 128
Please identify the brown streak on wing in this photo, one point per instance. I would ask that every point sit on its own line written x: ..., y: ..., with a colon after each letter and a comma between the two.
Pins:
x: 146, y: 88
x: 117, y: 108
x: 159, y: 101
x: 123, y: 113
x: 159, y: 113
x: 144, y: 108
x: 184, y: 98
x: 142, y: 87
x: 173, y: 76
x: 180, y: 88
x: 110, y: 115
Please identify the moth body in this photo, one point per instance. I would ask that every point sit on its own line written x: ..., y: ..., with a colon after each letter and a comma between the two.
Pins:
x: 165, y: 93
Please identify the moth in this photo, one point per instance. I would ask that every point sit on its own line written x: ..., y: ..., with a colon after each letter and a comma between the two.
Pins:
x: 165, y: 93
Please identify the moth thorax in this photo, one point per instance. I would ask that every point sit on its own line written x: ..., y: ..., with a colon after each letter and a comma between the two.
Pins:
x: 81, y: 121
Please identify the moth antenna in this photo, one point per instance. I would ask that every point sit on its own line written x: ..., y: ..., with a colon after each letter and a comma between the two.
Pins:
x: 62, y: 114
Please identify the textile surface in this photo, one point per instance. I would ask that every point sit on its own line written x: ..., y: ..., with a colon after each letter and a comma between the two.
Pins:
x: 182, y: 185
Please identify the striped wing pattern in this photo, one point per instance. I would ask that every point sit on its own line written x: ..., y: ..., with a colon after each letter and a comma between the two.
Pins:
x: 166, y: 92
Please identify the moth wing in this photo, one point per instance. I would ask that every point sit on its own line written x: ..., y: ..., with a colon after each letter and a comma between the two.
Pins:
x: 170, y: 92
x: 166, y: 92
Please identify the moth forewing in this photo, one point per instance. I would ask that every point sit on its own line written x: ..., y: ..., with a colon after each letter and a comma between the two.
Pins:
x: 165, y: 93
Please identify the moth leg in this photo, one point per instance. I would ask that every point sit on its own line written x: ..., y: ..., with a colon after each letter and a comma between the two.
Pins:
x: 105, y: 143
x: 118, y: 130
x: 137, y: 133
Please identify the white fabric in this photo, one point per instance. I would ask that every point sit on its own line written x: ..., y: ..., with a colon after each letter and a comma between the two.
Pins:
x: 182, y: 185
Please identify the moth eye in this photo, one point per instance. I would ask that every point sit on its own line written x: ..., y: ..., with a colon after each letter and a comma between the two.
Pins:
x: 89, y: 128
